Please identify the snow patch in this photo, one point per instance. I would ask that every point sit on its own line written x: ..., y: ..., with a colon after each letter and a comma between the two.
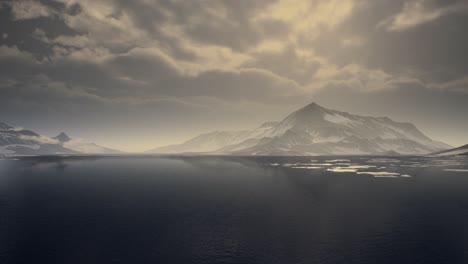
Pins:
x: 457, y: 170
x: 40, y: 139
x: 380, y: 173
x: 454, y: 152
x: 338, y: 160
x: 337, y: 119
x: 383, y: 160
x: 307, y: 167
x: 342, y: 169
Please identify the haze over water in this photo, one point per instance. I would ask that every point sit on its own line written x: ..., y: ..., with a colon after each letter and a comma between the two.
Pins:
x: 233, y: 210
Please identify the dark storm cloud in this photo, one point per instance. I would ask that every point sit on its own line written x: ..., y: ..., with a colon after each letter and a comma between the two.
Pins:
x: 143, y: 74
x: 196, y: 56
x: 14, y: 32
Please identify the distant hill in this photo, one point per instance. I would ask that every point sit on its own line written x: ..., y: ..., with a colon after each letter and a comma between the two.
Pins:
x: 26, y: 142
x: 315, y: 130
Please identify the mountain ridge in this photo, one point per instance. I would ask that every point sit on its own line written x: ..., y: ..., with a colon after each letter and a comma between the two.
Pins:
x: 315, y: 130
x: 18, y: 141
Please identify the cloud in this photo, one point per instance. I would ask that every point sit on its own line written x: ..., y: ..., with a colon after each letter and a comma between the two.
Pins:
x: 139, y: 50
x: 354, y: 41
x: 419, y: 12
x: 40, y: 89
x: 13, y: 53
x: 308, y: 17
x: 359, y: 78
x: 287, y: 61
x: 152, y: 73
x: 29, y: 9
x: 113, y: 57
x: 141, y: 74
x: 457, y: 85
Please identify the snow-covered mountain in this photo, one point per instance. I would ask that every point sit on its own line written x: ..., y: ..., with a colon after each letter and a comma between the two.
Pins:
x: 62, y: 137
x: 17, y: 141
x: 83, y: 147
x: 315, y: 130
x: 463, y: 150
x: 218, y: 140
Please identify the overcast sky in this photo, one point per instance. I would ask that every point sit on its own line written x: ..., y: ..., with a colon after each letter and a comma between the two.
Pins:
x: 134, y: 75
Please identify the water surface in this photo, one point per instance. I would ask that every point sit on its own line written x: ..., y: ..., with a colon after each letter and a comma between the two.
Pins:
x: 233, y: 210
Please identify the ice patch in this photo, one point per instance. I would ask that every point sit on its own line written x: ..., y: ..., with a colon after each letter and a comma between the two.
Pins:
x: 342, y: 169
x: 382, y: 160
x: 289, y: 164
x: 361, y: 166
x: 307, y: 167
x: 380, y: 173
x: 447, y: 163
x: 301, y: 165
x: 338, y: 160
x: 438, y: 163
x: 457, y: 170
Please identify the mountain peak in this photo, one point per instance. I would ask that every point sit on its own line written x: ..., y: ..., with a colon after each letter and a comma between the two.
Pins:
x: 62, y: 137
x: 316, y: 130
x: 312, y: 111
x: 313, y: 105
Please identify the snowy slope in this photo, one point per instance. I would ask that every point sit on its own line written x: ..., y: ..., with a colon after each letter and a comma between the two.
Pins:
x: 217, y: 140
x: 26, y: 142
x: 315, y: 130
x: 82, y: 146
x: 463, y: 150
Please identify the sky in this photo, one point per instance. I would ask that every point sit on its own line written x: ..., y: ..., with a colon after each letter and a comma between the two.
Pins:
x: 135, y: 75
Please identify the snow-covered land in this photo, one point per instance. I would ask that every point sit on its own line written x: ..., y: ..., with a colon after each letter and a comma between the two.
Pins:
x: 463, y: 150
x: 315, y: 130
x: 17, y: 141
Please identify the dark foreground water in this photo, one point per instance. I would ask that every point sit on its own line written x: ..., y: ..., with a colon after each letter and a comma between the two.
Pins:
x: 233, y: 210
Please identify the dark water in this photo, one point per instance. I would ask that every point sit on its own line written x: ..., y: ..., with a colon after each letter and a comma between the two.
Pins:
x: 233, y: 210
